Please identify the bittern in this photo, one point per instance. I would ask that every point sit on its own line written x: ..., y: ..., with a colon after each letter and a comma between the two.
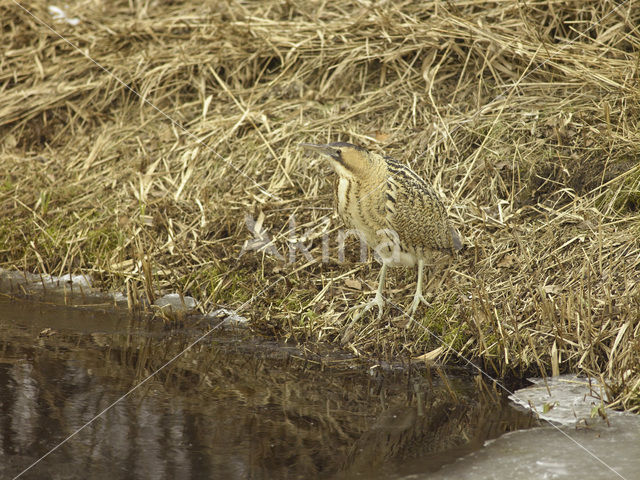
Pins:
x: 397, y: 212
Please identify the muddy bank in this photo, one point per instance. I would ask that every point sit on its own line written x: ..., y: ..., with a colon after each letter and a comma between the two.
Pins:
x: 174, y: 168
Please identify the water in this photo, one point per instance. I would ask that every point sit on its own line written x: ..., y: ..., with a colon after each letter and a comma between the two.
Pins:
x: 232, y: 407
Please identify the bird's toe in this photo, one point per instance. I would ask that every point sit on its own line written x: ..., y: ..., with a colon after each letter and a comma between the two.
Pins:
x: 376, y: 302
x: 417, y: 300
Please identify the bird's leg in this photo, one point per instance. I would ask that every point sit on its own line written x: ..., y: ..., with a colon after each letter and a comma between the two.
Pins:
x: 378, y: 300
x: 417, y: 297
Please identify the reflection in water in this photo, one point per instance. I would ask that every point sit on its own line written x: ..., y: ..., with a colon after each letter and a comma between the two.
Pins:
x: 231, y: 407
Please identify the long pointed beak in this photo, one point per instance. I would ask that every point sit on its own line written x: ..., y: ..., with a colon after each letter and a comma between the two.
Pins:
x: 326, y: 150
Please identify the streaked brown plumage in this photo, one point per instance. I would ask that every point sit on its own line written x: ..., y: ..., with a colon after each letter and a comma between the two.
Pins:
x: 397, y: 212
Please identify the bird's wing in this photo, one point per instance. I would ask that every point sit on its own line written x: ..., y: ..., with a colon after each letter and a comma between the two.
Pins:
x: 415, y: 212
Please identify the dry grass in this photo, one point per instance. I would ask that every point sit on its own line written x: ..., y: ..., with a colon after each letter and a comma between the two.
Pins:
x: 524, y: 116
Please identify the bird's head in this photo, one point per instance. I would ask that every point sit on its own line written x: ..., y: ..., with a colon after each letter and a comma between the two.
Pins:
x: 347, y: 159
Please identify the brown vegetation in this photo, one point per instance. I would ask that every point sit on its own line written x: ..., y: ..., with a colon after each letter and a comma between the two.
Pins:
x: 133, y: 144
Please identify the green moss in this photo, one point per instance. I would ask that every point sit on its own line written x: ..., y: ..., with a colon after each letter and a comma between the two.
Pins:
x: 102, y: 240
x: 224, y: 286
x: 295, y: 304
x: 7, y: 186
x: 623, y: 198
x: 628, y: 199
x: 439, y: 321
x: 62, y: 195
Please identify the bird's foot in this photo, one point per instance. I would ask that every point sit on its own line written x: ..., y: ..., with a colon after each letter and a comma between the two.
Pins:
x: 377, y: 301
x: 417, y: 300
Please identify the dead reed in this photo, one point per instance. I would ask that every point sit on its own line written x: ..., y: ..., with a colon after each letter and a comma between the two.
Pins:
x: 524, y: 115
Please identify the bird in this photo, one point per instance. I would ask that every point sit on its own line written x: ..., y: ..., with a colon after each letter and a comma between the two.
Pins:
x: 395, y: 210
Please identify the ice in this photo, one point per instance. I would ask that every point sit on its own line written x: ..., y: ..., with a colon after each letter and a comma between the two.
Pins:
x: 60, y: 15
x: 578, y: 444
x: 54, y: 281
x: 176, y: 303
x: 78, y: 280
x: 37, y: 281
x: 595, y: 452
x: 567, y: 399
x: 119, y: 297
x: 230, y: 317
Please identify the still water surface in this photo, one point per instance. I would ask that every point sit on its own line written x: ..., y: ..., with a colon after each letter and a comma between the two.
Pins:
x: 232, y: 407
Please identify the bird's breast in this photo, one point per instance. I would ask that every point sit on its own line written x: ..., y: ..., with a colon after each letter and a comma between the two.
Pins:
x: 349, y: 207
x: 343, y: 191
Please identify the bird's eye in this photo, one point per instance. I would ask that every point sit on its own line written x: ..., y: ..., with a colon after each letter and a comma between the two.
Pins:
x: 339, y: 152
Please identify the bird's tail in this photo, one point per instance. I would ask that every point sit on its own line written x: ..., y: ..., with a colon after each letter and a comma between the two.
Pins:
x: 457, y: 242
